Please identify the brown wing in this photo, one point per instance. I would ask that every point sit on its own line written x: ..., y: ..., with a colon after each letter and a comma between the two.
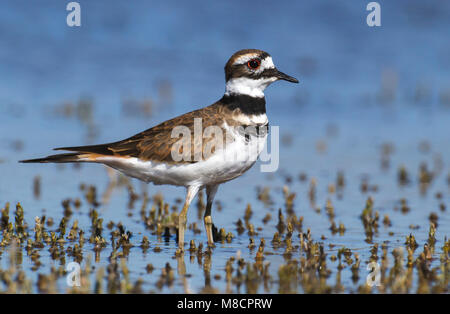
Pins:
x: 155, y: 144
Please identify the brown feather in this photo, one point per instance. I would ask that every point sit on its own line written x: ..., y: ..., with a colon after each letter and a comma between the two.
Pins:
x: 155, y: 144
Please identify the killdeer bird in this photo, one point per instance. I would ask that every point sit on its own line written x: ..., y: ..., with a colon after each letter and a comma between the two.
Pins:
x: 158, y: 155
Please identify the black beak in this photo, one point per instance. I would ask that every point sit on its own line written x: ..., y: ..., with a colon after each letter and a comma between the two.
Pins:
x: 282, y: 76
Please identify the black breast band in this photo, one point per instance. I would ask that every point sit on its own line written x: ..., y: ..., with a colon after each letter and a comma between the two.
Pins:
x: 247, y: 104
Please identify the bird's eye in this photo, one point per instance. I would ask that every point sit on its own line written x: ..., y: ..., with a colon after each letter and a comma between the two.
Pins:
x: 254, y: 64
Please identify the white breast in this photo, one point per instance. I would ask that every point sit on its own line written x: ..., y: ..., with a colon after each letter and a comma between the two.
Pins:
x: 224, y: 165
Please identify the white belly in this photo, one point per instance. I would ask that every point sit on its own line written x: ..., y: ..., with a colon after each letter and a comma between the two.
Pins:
x: 224, y: 165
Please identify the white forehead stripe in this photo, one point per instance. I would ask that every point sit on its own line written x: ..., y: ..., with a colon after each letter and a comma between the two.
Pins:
x: 267, y: 63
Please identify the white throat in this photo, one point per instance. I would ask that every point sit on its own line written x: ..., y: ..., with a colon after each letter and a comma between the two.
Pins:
x: 248, y: 86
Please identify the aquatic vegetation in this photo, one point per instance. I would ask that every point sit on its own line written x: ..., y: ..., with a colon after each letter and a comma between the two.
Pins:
x: 273, y: 245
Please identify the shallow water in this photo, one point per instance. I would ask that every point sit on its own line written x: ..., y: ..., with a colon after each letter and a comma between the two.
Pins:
x: 360, y: 88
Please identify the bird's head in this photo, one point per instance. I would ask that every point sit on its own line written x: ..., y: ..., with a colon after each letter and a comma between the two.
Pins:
x: 250, y: 71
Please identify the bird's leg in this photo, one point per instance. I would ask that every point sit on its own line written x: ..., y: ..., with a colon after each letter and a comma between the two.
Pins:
x: 191, y: 192
x: 210, y: 193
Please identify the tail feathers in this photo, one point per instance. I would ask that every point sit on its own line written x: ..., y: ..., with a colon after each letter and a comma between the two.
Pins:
x: 60, y: 158
x: 102, y: 149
